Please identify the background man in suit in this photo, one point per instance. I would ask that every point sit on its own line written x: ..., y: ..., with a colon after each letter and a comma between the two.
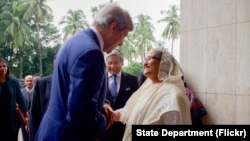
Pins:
x: 126, y: 85
x: 27, y: 93
x: 41, y: 96
x: 78, y: 84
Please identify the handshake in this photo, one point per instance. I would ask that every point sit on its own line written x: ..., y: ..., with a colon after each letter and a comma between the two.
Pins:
x: 110, y: 114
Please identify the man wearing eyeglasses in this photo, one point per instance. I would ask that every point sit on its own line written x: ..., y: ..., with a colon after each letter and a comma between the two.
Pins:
x: 126, y: 84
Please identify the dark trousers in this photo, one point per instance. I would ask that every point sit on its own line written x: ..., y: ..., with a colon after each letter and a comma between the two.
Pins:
x: 24, y: 134
x: 8, y: 134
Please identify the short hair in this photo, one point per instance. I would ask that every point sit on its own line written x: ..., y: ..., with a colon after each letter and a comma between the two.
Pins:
x: 113, y: 12
x: 3, y: 60
x: 115, y: 52
x: 26, y: 77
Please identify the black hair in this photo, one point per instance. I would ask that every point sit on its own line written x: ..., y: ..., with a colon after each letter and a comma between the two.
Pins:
x: 8, y: 72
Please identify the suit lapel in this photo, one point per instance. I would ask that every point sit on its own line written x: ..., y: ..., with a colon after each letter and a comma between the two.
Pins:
x: 121, y: 84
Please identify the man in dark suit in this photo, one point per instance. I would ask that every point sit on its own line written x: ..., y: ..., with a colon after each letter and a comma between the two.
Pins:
x: 78, y: 84
x: 39, y: 104
x: 126, y: 85
x: 27, y: 93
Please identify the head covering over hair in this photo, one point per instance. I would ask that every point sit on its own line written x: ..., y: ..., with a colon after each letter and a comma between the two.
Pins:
x: 170, y: 70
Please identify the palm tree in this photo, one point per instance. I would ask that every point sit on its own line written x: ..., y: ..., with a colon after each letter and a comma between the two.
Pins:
x: 160, y: 44
x: 38, y: 12
x: 16, y: 30
x: 143, y: 35
x: 172, y: 29
x: 95, y: 9
x: 128, y: 49
x: 73, y: 22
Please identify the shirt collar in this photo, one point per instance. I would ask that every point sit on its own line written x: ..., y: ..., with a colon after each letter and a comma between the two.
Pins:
x: 99, y: 37
x: 118, y: 75
x: 29, y: 90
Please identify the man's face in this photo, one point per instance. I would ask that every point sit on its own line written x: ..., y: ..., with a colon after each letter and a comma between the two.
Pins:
x: 114, y: 64
x: 28, y: 82
x: 115, y: 38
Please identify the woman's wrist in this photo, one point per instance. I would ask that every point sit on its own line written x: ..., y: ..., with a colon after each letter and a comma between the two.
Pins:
x: 116, y: 115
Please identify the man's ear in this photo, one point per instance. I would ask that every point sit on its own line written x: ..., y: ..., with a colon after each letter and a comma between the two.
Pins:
x: 113, y: 27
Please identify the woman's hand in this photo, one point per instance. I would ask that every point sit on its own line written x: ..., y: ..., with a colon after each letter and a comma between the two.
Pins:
x: 116, y: 115
x: 108, y: 112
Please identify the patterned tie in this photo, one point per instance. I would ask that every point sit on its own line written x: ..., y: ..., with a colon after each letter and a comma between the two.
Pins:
x: 113, y: 87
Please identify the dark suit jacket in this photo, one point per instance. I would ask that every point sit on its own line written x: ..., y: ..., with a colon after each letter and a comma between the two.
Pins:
x: 27, y: 96
x: 128, y: 86
x: 39, y: 104
x: 78, y: 92
x: 15, y: 97
x: 141, y: 78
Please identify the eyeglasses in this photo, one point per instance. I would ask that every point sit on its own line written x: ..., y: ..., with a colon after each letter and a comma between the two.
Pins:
x: 113, y: 63
x: 148, y: 58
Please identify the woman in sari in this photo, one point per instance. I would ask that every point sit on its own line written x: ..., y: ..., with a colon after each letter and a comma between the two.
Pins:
x: 161, y: 99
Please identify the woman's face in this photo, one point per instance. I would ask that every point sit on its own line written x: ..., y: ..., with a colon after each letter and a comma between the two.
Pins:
x: 151, y: 66
x: 3, y: 68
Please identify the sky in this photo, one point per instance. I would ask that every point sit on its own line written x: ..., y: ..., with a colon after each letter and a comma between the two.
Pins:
x: 151, y: 8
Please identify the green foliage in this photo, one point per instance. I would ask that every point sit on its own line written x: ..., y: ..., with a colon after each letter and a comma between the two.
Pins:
x: 73, y: 22
x: 95, y: 9
x: 172, y: 20
x: 7, y: 52
x: 26, y: 30
x: 143, y: 35
x: 134, y: 68
x: 19, y: 41
x: 49, y: 60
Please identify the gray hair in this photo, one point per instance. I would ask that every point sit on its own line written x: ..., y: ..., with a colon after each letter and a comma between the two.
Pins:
x: 113, y: 12
x: 115, y: 52
x: 158, y: 52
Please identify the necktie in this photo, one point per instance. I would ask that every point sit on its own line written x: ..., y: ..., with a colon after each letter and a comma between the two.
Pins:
x: 113, y: 87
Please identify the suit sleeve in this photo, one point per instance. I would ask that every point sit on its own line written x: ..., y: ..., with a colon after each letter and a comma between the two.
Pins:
x: 19, y: 98
x: 86, y: 96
